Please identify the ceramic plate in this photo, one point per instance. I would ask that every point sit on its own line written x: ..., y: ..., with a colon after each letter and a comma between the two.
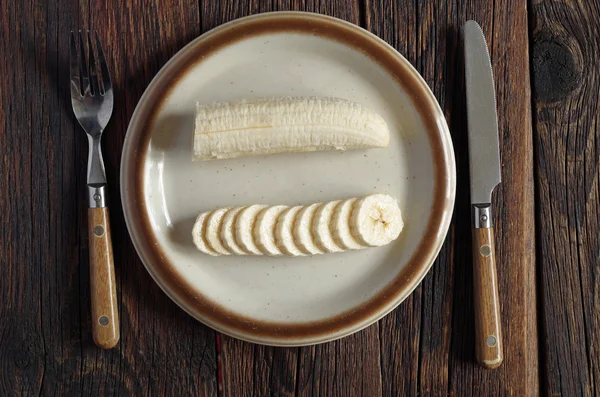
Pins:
x: 286, y: 301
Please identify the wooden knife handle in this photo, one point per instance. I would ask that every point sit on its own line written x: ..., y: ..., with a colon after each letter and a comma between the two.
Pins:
x: 488, y: 335
x: 105, y: 316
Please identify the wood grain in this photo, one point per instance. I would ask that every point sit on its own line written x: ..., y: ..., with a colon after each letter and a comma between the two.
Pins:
x: 566, y: 44
x: 42, y: 230
x: 428, y: 33
x: 488, y: 331
x: 103, y: 289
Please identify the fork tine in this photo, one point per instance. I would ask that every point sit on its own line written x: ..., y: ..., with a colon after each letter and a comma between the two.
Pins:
x: 93, y: 70
x: 83, y: 69
x: 74, y: 66
x: 106, y: 83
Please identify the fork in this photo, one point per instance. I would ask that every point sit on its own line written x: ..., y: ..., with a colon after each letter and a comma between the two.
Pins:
x: 92, y: 101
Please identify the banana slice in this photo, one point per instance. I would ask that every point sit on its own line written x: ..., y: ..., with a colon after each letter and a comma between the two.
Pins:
x: 376, y: 220
x: 213, y: 231
x: 336, y: 226
x: 264, y: 230
x: 303, y: 230
x: 284, y: 236
x: 320, y: 227
x: 244, y: 226
x: 199, y: 234
x: 228, y: 231
x: 285, y: 124
x: 340, y: 225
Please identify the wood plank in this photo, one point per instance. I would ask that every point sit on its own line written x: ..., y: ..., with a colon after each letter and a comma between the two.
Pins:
x: 40, y: 292
x: 256, y: 370
x: 441, y: 351
x: 515, y: 230
x: 566, y: 85
x: 505, y: 27
x: 346, y: 367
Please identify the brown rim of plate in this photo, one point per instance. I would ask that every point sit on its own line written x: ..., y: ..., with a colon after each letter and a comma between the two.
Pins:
x: 211, y: 313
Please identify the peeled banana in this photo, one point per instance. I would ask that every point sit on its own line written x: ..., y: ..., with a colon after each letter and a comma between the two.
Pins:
x: 285, y: 124
x: 336, y: 226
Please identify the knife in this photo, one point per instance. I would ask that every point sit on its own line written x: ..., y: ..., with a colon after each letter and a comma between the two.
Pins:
x: 484, y: 160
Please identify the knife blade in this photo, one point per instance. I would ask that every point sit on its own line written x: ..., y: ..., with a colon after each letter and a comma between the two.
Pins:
x: 484, y: 154
x: 484, y: 163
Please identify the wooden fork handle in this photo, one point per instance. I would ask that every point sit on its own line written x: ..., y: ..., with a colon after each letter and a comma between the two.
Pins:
x: 105, y: 317
x: 488, y: 335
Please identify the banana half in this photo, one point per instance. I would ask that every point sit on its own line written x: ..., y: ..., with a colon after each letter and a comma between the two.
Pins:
x: 335, y: 226
x: 285, y: 124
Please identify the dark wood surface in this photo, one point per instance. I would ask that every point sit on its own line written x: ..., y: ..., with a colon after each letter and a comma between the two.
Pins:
x: 565, y: 47
x: 545, y: 60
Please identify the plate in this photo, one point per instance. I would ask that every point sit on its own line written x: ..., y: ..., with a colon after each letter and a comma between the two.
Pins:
x: 275, y: 300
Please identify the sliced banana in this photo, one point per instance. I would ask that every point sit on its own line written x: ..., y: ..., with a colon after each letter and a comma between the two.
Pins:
x: 244, y: 226
x: 228, y: 231
x: 376, y: 220
x: 336, y: 226
x: 285, y: 124
x: 284, y: 236
x: 264, y: 230
x: 340, y: 225
x: 199, y: 234
x: 213, y: 231
x: 303, y: 230
x: 320, y: 227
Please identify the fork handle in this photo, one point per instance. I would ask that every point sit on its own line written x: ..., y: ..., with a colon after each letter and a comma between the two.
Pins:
x: 105, y: 316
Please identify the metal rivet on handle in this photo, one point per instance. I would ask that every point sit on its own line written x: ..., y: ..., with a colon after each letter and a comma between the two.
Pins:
x: 485, y: 250
x: 103, y: 321
x: 491, y: 341
x: 98, y: 230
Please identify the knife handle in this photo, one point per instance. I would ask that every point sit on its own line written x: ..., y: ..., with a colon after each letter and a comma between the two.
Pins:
x: 105, y: 316
x: 488, y: 335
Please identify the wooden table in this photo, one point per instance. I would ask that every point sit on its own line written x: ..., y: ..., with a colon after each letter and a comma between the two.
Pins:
x: 545, y: 59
